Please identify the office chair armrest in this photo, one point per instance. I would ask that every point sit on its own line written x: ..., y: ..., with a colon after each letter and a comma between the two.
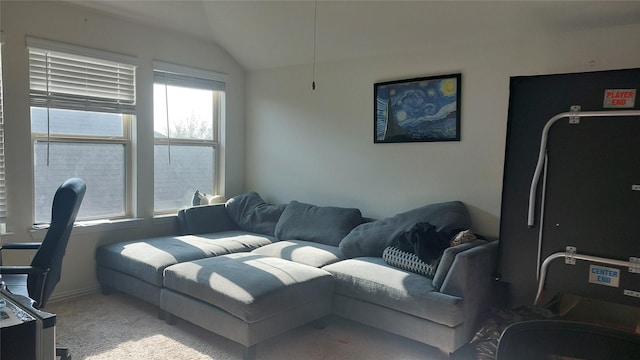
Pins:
x: 21, y: 246
x: 18, y: 269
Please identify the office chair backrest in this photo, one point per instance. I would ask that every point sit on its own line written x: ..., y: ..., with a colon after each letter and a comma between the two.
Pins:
x: 559, y: 339
x: 66, y: 203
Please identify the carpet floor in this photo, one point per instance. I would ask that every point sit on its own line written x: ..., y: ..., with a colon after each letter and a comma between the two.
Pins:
x: 117, y: 326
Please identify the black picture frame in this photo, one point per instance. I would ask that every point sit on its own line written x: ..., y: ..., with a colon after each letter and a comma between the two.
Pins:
x: 424, y: 109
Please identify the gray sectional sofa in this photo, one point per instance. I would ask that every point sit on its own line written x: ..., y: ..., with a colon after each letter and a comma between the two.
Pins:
x: 248, y: 270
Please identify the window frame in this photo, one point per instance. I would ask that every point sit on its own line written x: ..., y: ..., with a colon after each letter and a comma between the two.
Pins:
x: 126, y: 140
x: 126, y: 108
x: 181, y: 76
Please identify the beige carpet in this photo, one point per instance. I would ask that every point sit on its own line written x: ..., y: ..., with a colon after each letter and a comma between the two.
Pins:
x: 112, y: 327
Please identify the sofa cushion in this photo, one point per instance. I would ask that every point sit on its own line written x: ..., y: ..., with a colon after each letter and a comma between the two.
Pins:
x: 146, y: 259
x: 205, y: 219
x: 303, y: 252
x: 253, y: 214
x: 250, y: 286
x: 371, y: 280
x: 371, y: 238
x: 322, y: 224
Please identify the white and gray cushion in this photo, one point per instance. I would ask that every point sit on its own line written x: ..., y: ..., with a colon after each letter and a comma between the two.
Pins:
x: 303, y: 252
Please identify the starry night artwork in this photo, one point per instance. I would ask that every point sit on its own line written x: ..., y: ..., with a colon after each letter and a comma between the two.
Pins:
x: 415, y: 110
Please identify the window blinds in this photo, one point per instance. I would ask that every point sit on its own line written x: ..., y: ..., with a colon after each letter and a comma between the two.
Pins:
x: 183, y: 76
x: 73, y: 81
x: 3, y: 193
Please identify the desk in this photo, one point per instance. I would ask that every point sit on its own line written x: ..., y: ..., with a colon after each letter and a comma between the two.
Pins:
x: 25, y: 332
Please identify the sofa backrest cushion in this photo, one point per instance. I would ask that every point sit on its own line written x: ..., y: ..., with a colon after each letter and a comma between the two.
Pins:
x: 253, y: 214
x: 322, y: 224
x: 371, y: 238
x: 204, y: 219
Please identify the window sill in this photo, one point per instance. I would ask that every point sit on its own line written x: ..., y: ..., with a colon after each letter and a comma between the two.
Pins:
x: 165, y: 218
x: 85, y: 227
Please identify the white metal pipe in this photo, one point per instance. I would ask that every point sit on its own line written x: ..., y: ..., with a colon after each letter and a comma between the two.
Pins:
x: 541, y: 228
x: 550, y: 258
x: 543, y: 148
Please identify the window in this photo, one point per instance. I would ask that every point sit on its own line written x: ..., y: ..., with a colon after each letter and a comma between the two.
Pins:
x: 82, y: 109
x: 188, y: 108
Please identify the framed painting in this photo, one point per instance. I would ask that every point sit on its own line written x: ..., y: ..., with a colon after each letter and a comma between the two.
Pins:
x: 417, y: 110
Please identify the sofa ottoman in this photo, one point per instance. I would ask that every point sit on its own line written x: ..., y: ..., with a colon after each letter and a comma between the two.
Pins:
x: 246, y: 297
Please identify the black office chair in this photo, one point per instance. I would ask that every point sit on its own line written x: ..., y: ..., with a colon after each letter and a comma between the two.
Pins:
x: 38, y: 280
x: 559, y: 339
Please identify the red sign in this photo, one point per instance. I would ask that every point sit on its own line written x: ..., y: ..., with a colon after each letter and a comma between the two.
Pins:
x: 619, y: 98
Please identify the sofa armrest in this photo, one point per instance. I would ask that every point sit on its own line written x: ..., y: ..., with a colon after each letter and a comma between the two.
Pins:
x: 472, y: 272
x: 205, y: 219
x: 472, y: 278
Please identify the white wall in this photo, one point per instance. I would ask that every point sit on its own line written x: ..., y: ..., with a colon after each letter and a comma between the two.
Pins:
x: 67, y: 23
x: 317, y: 146
x: 298, y: 144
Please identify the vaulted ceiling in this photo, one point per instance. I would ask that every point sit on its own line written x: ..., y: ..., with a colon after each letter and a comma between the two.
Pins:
x: 268, y: 34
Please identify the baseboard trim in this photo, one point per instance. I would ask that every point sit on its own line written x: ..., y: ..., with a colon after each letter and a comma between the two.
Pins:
x: 58, y: 297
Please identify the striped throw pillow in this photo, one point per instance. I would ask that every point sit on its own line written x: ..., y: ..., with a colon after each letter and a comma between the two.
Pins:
x: 409, y: 261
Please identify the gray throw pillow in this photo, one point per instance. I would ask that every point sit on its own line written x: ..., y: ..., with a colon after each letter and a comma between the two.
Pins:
x: 370, y: 239
x: 322, y: 224
x: 253, y: 214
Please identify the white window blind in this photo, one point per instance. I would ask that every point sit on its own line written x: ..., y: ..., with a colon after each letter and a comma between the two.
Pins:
x: 71, y: 81
x: 3, y: 193
x: 177, y: 75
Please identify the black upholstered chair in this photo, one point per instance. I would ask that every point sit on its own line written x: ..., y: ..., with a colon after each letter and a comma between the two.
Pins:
x: 38, y: 280
x: 558, y: 339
